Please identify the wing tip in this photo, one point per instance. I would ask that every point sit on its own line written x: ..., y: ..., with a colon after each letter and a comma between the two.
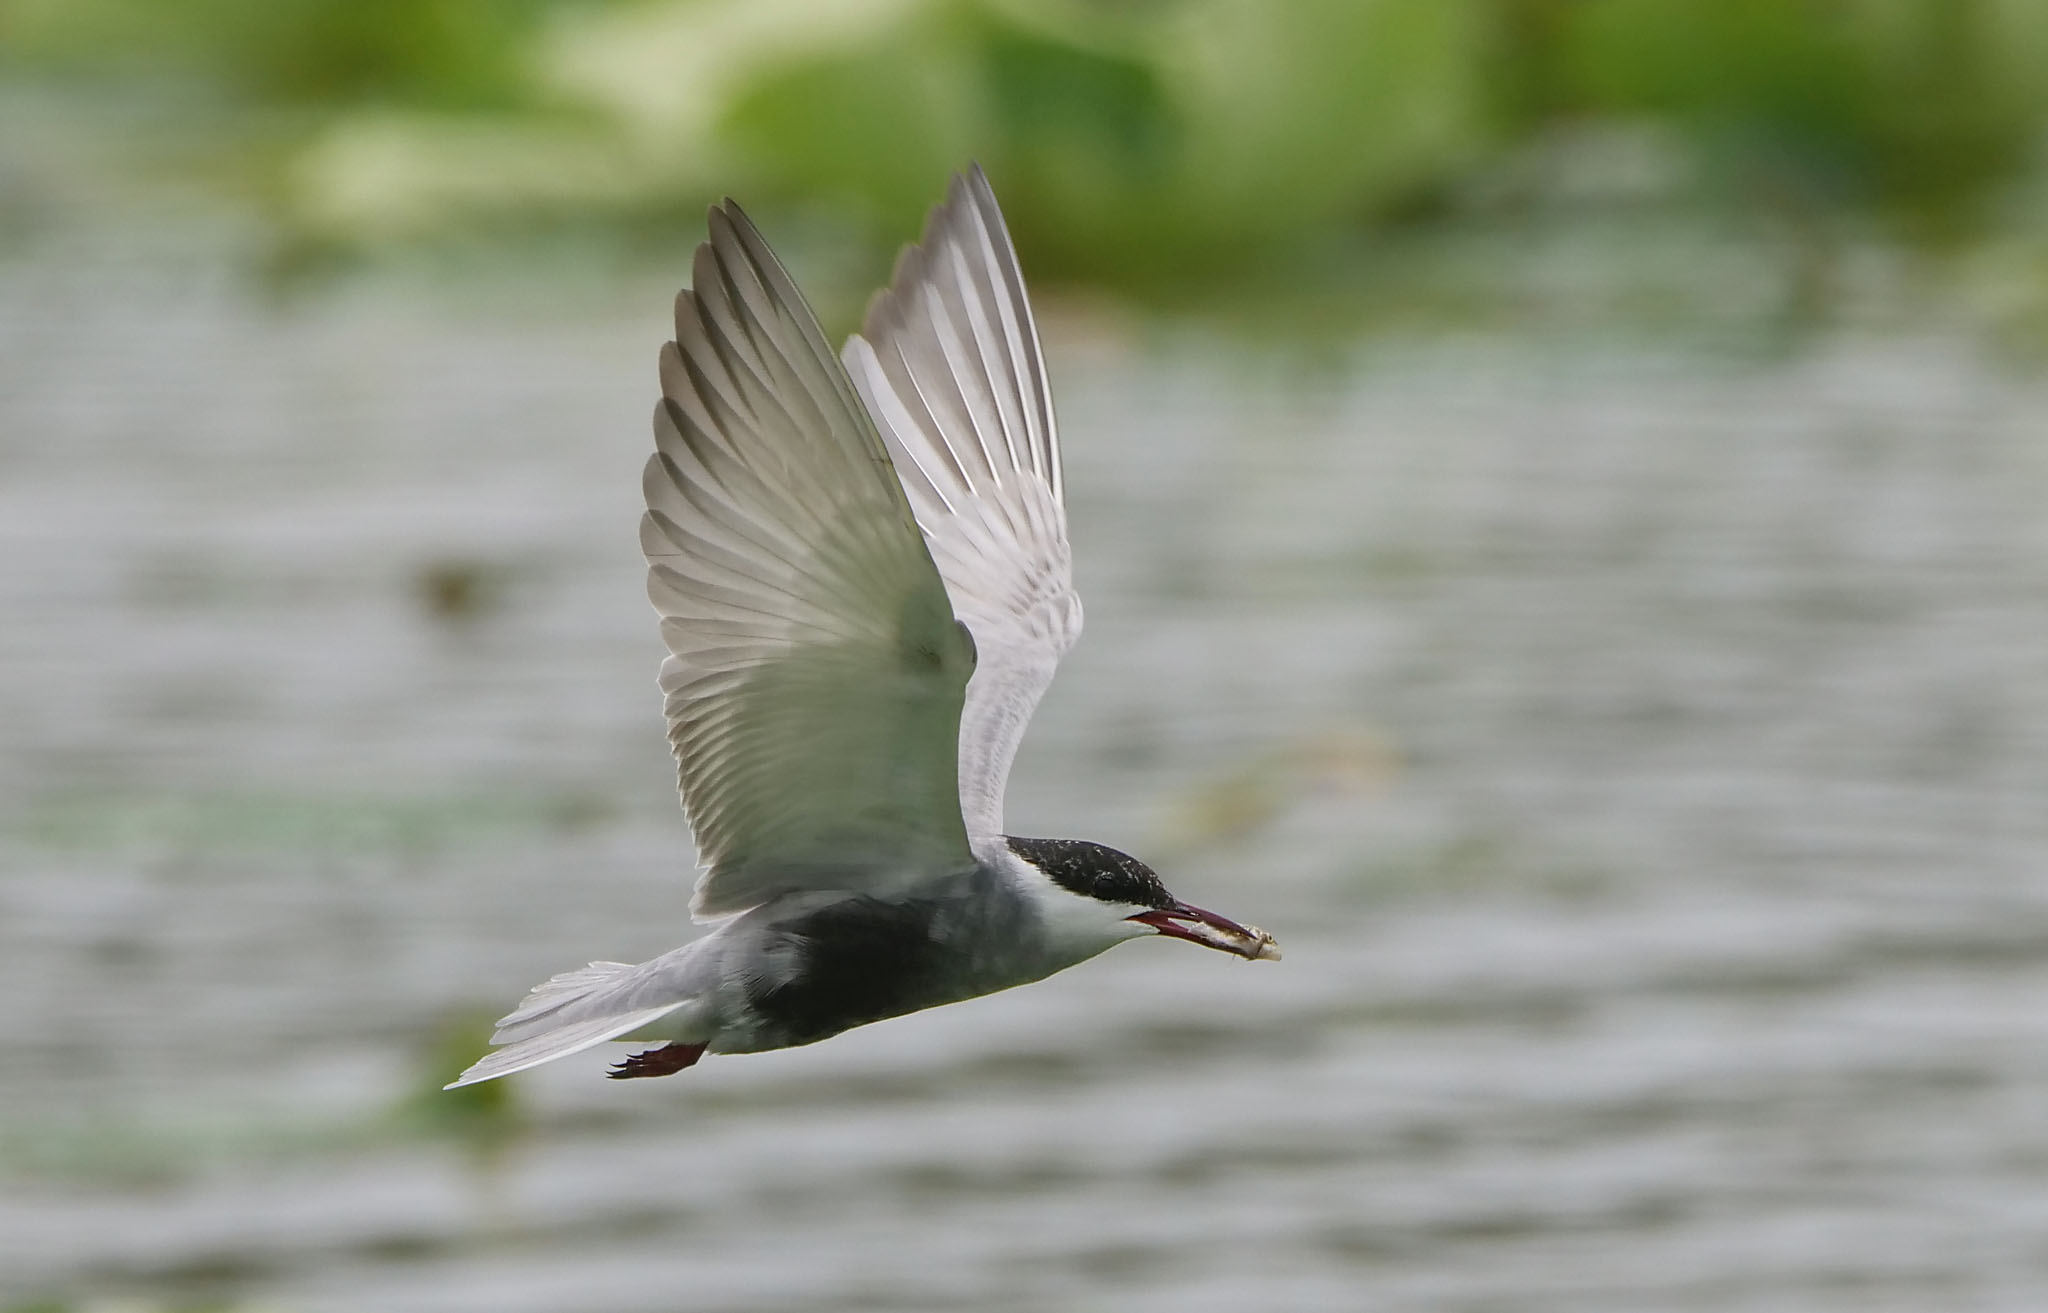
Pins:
x: 967, y: 191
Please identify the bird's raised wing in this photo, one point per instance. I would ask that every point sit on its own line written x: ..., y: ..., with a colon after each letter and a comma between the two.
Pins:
x: 949, y: 365
x: 816, y: 673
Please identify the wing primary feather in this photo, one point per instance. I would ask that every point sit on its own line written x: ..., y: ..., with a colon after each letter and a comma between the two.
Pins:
x: 1022, y: 327
x: 1007, y: 336
x: 891, y: 412
x: 989, y: 391
x: 943, y: 376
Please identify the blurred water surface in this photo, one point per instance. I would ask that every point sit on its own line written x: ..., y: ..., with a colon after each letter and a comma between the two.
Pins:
x: 1640, y: 751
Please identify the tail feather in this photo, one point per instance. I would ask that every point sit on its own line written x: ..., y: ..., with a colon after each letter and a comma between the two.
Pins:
x: 556, y: 994
x: 558, y: 1043
x: 570, y: 1012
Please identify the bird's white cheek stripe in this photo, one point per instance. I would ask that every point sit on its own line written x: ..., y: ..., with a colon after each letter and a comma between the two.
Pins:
x: 1076, y: 922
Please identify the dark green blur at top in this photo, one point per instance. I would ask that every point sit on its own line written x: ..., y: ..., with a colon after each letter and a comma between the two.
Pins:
x: 1159, y: 147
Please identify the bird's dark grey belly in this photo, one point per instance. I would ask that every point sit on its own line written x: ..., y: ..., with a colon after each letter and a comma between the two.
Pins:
x: 856, y: 961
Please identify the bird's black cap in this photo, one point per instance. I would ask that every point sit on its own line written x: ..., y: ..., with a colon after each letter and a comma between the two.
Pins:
x: 1094, y: 870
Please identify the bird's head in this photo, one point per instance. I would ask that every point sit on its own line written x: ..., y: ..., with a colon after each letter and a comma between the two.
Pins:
x: 1098, y: 893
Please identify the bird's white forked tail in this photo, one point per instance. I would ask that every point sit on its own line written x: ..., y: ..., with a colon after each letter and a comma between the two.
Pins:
x: 566, y: 1014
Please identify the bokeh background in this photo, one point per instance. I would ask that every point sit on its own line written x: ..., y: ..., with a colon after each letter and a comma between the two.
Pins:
x: 1560, y: 488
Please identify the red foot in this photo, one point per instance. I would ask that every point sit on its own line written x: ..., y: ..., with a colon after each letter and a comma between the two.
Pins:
x: 664, y: 1061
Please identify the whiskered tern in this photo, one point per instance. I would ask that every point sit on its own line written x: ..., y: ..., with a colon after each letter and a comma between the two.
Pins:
x: 860, y: 563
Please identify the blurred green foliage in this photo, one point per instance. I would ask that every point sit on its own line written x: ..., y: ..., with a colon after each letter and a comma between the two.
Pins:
x: 1134, y: 141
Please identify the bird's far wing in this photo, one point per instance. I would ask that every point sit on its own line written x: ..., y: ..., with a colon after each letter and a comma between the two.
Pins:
x: 816, y: 673
x: 949, y: 365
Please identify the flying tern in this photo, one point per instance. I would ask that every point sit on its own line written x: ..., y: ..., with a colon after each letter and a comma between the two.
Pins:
x: 861, y: 567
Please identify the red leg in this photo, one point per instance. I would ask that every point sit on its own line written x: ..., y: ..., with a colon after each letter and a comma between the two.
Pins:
x: 664, y: 1061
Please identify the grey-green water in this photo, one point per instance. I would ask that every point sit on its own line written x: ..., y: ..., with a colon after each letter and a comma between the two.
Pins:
x: 1641, y: 752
